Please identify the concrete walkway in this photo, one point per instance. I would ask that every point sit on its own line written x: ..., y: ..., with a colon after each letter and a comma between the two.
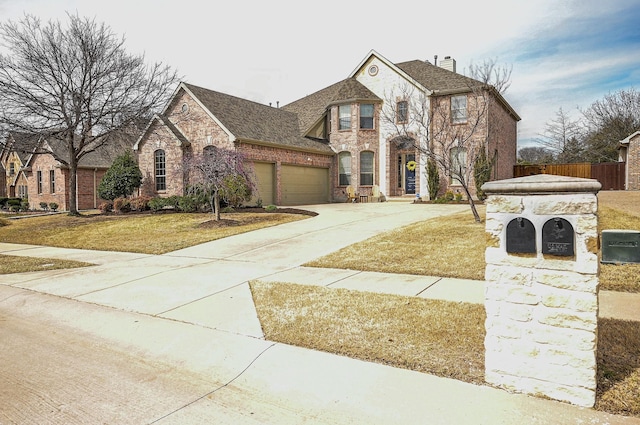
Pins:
x: 193, y: 309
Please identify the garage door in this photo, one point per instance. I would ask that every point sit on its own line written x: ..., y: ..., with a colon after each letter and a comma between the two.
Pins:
x: 304, y: 185
x: 265, y: 183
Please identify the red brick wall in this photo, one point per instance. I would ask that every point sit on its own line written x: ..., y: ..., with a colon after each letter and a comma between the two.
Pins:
x: 45, y: 163
x: 503, y: 138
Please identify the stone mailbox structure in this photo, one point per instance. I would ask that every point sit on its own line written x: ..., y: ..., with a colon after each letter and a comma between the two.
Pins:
x: 541, y: 293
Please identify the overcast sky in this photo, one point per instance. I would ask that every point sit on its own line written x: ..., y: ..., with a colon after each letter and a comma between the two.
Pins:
x: 564, y: 53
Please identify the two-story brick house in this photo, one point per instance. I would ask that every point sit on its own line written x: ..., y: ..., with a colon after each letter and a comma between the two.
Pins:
x: 629, y: 153
x: 311, y: 150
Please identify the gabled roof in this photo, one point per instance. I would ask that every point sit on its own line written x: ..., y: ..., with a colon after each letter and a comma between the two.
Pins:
x: 175, y: 131
x: 627, y: 139
x: 310, y: 109
x: 101, y: 157
x: 438, y: 79
x: 254, y: 122
x: 23, y: 144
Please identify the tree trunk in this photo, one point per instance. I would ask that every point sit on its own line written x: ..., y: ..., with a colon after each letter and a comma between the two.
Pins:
x: 472, y: 204
x: 216, y: 202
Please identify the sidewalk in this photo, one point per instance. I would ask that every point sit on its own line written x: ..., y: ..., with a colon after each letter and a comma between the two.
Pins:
x: 192, y: 309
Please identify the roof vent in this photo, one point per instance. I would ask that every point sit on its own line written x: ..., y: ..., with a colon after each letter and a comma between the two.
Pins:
x: 448, y: 63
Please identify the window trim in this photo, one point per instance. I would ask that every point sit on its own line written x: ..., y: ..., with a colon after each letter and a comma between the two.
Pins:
x: 160, y: 170
x: 52, y: 181
x: 372, y: 117
x: 456, y: 116
x: 400, y: 118
x: 368, y: 173
x: 463, y: 165
x: 346, y: 173
x: 39, y: 181
x: 347, y: 118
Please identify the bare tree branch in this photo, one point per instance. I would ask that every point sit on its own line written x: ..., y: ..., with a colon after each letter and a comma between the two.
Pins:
x: 75, y: 83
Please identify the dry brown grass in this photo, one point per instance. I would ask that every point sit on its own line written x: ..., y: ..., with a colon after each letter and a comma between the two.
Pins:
x: 618, y: 367
x: 451, y: 246
x: 432, y: 336
x: 13, y: 264
x: 143, y: 233
x: 437, y: 337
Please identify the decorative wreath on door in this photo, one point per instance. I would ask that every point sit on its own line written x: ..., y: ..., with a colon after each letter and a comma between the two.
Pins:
x: 411, y: 165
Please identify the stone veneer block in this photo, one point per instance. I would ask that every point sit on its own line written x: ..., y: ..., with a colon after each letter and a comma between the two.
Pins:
x: 542, y: 309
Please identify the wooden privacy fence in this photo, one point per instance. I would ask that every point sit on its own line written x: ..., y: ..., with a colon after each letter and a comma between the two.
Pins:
x: 609, y: 174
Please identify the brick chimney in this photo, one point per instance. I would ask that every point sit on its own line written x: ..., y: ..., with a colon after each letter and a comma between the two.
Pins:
x: 448, y: 63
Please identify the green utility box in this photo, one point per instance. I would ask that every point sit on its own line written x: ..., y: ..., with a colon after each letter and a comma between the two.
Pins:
x: 620, y: 246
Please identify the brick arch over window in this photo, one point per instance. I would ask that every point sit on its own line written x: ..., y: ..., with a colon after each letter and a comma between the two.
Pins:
x: 160, y: 170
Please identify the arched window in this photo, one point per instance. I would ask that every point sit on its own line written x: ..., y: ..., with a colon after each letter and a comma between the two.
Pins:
x: 160, y: 170
x: 366, y: 168
x: 344, y: 168
x: 209, y: 151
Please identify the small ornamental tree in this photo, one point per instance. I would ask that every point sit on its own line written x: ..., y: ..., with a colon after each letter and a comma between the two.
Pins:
x: 433, y: 179
x: 214, y: 169
x: 121, y: 179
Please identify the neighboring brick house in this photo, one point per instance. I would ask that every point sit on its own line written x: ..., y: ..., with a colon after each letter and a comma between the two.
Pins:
x: 47, y: 178
x: 629, y: 153
x: 16, y: 150
x: 310, y: 150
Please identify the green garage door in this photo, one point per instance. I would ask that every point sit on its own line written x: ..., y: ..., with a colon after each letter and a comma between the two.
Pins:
x: 304, y: 185
x: 265, y: 187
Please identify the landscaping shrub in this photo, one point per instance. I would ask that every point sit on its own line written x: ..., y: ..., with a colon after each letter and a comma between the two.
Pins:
x: 236, y: 190
x: 140, y: 203
x: 448, y: 196
x: 53, y: 206
x: 3, y: 202
x: 433, y: 179
x: 270, y: 208
x: 121, y: 179
x: 44, y: 206
x: 106, y: 207
x: 187, y: 204
x: 156, y: 204
x: 121, y: 205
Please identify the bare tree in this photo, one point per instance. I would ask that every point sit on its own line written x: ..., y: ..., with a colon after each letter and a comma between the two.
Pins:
x: 215, y: 169
x: 562, y: 136
x: 535, y: 155
x: 75, y: 84
x: 608, y: 121
x: 452, y: 136
x: 493, y: 74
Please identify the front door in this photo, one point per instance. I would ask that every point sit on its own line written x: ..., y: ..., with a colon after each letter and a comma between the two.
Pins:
x: 410, y: 174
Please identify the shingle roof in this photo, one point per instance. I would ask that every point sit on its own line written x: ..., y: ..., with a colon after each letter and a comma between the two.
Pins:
x: 311, y: 108
x: 436, y: 78
x: 23, y: 144
x: 102, y: 157
x: 251, y: 121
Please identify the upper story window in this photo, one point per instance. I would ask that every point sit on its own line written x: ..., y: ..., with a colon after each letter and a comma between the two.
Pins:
x: 366, y: 168
x: 402, y: 111
x: 12, y: 168
x: 366, y: 116
x: 459, y: 109
x: 344, y: 168
x: 52, y: 181
x: 160, y: 170
x: 344, y: 117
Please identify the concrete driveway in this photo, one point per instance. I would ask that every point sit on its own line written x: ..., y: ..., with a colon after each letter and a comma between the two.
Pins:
x: 174, y: 339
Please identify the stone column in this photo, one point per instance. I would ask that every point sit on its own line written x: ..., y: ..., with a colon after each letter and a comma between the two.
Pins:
x: 541, y: 293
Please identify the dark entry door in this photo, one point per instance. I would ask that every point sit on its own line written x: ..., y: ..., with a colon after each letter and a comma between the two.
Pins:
x: 410, y: 174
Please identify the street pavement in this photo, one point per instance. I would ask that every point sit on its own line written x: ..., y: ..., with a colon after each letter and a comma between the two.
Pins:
x: 175, y: 339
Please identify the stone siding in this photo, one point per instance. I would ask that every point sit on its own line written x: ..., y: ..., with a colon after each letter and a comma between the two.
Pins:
x: 542, y: 309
